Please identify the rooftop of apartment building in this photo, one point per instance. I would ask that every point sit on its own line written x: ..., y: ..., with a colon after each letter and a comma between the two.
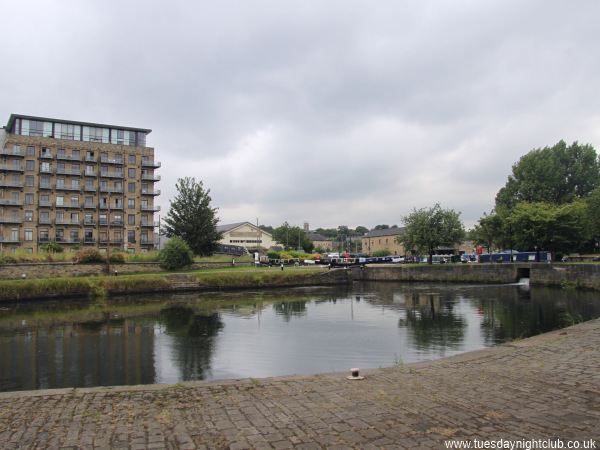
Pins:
x: 26, y: 125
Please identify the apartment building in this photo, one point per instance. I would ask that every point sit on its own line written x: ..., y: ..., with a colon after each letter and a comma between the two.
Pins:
x: 77, y: 184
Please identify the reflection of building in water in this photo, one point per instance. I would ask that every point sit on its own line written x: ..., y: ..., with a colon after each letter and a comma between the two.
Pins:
x: 78, y: 355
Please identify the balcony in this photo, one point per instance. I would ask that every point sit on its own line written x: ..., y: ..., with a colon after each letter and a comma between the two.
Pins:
x: 90, y: 159
x: 148, y: 177
x: 117, y: 223
x: 68, y: 188
x: 10, y: 220
x: 152, y: 164
x: 9, y: 240
x: 68, y: 240
x: 89, y: 205
x: 8, y: 202
x: 117, y: 208
x: 12, y: 168
x: 75, y: 172
x: 14, y: 152
x: 112, y: 241
x: 90, y: 173
x: 45, y: 169
x: 89, y: 240
x: 148, y: 224
x: 146, y: 242
x: 46, y: 156
x: 151, y: 192
x: 45, y: 186
x: 90, y: 189
x: 103, y: 222
x: 118, y: 161
x: 89, y: 222
x: 150, y: 208
x: 111, y: 190
x: 11, y: 184
x: 67, y: 222
x: 44, y: 203
x: 111, y: 174
x: 68, y: 157
x: 68, y: 205
x: 44, y: 221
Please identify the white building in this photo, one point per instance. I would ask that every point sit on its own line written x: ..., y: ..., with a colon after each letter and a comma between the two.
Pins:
x: 245, y: 235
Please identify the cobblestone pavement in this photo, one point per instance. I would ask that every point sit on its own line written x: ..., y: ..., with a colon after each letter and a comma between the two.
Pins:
x: 544, y: 387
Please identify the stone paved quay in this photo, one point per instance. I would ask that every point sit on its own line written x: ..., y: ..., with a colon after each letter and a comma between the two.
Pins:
x: 544, y: 387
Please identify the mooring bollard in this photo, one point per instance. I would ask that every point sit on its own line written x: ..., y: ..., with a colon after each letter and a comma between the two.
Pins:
x: 355, y: 374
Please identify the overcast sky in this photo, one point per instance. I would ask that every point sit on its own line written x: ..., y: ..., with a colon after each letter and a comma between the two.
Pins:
x: 330, y: 112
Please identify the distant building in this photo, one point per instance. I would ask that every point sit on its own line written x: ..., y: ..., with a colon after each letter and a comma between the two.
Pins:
x: 245, y: 235
x: 320, y: 241
x: 376, y: 240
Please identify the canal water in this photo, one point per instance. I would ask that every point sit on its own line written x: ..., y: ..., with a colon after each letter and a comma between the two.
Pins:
x: 172, y: 338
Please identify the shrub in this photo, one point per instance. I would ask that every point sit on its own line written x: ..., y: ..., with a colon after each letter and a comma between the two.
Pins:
x: 175, y: 255
x: 380, y: 253
x: 89, y: 255
x: 51, y: 247
x: 273, y: 255
x: 116, y: 257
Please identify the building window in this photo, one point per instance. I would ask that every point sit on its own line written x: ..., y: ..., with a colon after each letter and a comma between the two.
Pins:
x: 60, y: 183
x: 131, y: 172
x: 28, y: 234
x: 28, y: 216
x: 103, y: 219
x: 89, y: 235
x: 45, y: 181
x: 60, y: 216
x: 29, y: 199
x: 131, y: 236
x: 130, y: 187
x: 30, y: 164
x: 75, y: 154
x: 88, y: 218
x: 44, y: 235
x: 60, y: 200
x: 131, y: 203
x: 75, y: 200
x: 131, y: 159
x: 89, y: 170
x: 29, y: 180
x: 130, y: 219
x: 45, y: 167
x: 30, y: 150
x: 14, y: 234
x: 89, y: 185
x: 75, y: 184
x: 44, y: 217
x: 60, y: 153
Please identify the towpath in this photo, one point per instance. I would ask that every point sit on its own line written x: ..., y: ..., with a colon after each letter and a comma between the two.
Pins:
x: 545, y: 387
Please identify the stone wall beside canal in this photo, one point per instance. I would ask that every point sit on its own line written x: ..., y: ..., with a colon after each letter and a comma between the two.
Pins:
x: 565, y: 275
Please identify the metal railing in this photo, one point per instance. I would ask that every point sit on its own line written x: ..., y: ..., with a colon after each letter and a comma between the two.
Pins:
x: 12, y: 167
x: 12, y: 184
x: 8, y: 202
x: 60, y: 171
x: 154, y: 164
x: 150, y: 191
x: 151, y: 177
x: 111, y: 161
x: 111, y: 174
x: 10, y: 220
x: 13, y: 152
x: 69, y: 157
x: 151, y: 208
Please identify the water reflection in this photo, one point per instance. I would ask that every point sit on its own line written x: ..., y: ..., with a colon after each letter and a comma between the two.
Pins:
x: 162, y: 339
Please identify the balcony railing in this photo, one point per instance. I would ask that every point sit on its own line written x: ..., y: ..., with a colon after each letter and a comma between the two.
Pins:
x: 76, y: 172
x: 111, y: 190
x: 44, y: 221
x: 118, y: 223
x: 154, y: 164
x: 90, y: 188
x: 111, y: 161
x: 69, y: 157
x: 13, y: 152
x: 9, y: 240
x: 12, y: 167
x: 68, y: 240
x: 11, y: 184
x: 46, y: 156
x: 67, y: 222
x: 89, y: 241
x: 46, y: 169
x: 45, y: 186
x: 67, y: 188
x: 43, y: 203
x: 151, y: 208
x: 150, y: 191
x: 89, y: 222
x: 10, y: 220
x: 90, y: 173
x: 148, y: 224
x: 147, y: 177
x: 68, y: 205
x: 146, y: 242
x: 89, y: 205
x: 103, y: 222
x: 111, y: 174
x: 8, y: 202
x: 112, y: 207
x: 90, y: 159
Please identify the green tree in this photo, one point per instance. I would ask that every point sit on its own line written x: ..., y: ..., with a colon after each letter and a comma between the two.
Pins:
x: 191, y: 217
x: 558, y: 174
x: 593, y: 214
x: 360, y: 230
x: 175, y: 255
x: 489, y: 232
x: 291, y: 237
x: 427, y: 229
x: 558, y: 228
x: 382, y: 227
